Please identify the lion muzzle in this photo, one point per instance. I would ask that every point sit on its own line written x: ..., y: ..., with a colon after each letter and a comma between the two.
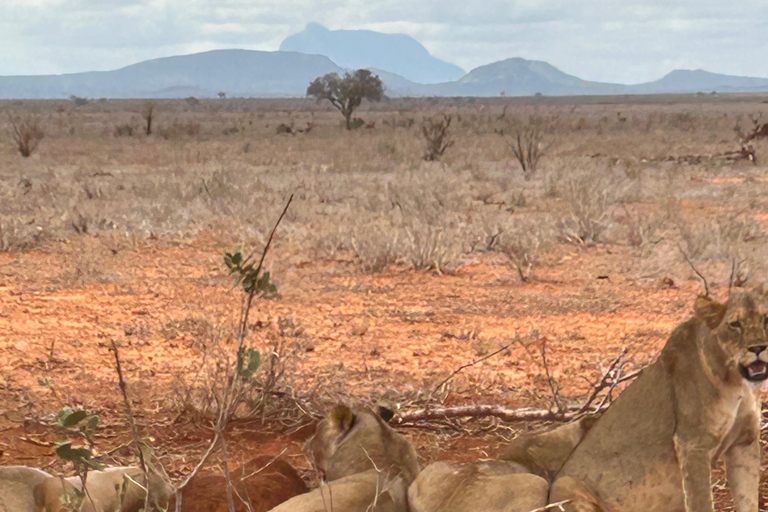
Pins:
x: 754, y: 367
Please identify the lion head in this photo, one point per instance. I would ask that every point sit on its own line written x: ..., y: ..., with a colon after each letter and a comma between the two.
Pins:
x: 740, y: 325
x: 349, y: 441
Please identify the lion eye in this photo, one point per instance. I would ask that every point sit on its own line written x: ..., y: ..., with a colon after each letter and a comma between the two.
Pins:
x: 735, y: 324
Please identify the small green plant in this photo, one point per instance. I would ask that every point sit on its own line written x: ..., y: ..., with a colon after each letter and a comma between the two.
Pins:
x: 80, y: 424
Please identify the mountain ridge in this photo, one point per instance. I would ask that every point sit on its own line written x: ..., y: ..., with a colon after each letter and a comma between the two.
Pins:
x: 356, y: 49
x: 252, y: 73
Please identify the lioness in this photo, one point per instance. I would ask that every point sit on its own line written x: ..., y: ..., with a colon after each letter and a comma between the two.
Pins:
x: 518, y: 483
x: 118, y: 489
x: 17, y: 484
x: 653, y: 449
x: 366, y: 464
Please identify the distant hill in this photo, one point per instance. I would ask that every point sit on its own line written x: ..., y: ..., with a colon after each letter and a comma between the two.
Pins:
x: 236, y: 72
x: 355, y: 49
x: 521, y: 77
x: 283, y: 73
x: 688, y: 81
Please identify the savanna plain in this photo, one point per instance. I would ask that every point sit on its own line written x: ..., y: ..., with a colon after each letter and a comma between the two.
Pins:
x: 456, y: 280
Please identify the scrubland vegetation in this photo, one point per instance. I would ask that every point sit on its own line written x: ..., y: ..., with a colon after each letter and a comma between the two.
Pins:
x: 556, y: 232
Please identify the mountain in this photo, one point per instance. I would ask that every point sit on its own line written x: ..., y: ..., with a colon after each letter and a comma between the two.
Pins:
x: 689, y: 81
x: 355, y: 49
x: 236, y: 72
x: 285, y: 73
x: 521, y: 77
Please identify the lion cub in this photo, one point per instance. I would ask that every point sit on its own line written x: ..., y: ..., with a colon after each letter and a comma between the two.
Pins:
x: 366, y: 465
x: 654, y: 447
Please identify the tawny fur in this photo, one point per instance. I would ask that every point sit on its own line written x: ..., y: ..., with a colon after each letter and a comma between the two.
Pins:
x: 111, y: 490
x: 367, y: 465
x: 17, y: 485
x: 544, y: 452
x: 653, y: 449
x: 517, y: 483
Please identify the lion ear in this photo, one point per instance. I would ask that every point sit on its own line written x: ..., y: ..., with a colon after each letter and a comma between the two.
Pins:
x: 341, y: 419
x: 385, y: 413
x: 709, y: 311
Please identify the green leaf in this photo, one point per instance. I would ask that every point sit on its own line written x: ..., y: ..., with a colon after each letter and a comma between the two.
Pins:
x: 92, y: 424
x: 94, y: 464
x: 264, y: 284
x: 66, y: 452
x: 254, y: 361
x: 233, y: 260
x: 68, y: 417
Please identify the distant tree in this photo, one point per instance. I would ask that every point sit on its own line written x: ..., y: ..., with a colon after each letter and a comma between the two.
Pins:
x: 346, y: 94
x: 79, y: 102
x: 148, y: 113
x: 222, y: 94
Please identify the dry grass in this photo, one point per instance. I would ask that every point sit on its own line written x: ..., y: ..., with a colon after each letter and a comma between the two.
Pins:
x: 221, y: 164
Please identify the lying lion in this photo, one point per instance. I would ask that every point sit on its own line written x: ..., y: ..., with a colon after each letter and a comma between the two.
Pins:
x: 17, y: 486
x: 518, y: 483
x: 120, y: 489
x: 654, y: 447
x: 366, y: 465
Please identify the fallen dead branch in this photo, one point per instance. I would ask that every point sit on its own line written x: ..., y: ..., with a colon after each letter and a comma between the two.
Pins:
x: 611, y: 378
x: 483, y: 411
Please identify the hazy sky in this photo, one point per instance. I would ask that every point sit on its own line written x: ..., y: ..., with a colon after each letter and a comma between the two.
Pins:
x: 624, y: 41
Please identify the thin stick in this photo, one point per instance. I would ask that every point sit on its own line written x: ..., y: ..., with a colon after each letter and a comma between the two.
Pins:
x: 553, y: 386
x: 467, y: 365
x: 553, y: 506
x: 733, y: 271
x: 131, y: 422
x: 607, y: 381
x: 227, y: 476
x: 227, y: 401
x: 704, y: 279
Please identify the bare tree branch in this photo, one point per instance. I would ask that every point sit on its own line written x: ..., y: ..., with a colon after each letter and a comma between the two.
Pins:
x: 467, y: 365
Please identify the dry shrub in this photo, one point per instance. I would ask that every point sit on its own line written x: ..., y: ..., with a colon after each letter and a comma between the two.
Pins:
x: 417, y: 221
x: 736, y: 238
x: 588, y: 198
x: 524, y: 242
x: 643, y: 228
x: 437, y: 137
x: 200, y: 388
x: 26, y: 133
x: 124, y: 130
x: 179, y: 129
x: 148, y: 112
x: 526, y: 141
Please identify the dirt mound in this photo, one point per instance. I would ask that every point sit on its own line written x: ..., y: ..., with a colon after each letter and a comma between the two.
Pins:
x: 264, y: 484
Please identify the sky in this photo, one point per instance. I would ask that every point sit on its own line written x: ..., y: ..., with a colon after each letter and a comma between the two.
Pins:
x: 624, y: 41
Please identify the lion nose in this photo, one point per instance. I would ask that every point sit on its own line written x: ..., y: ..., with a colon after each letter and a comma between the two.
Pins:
x: 757, y: 349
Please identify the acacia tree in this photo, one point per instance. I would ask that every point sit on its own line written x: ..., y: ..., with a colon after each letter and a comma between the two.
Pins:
x: 346, y: 94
